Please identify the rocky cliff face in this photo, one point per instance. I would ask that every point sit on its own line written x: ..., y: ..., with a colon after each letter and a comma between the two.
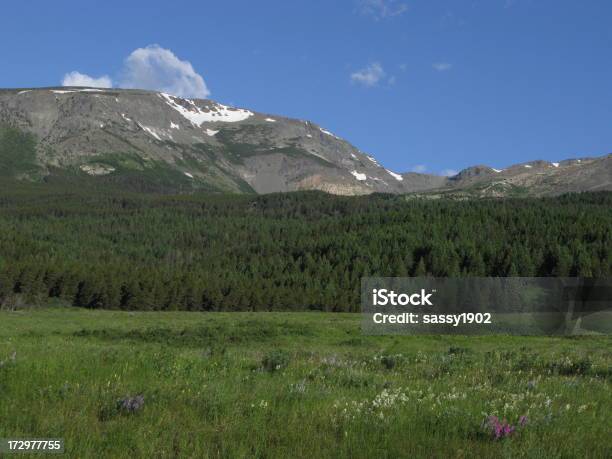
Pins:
x: 106, y: 132
x: 161, y: 141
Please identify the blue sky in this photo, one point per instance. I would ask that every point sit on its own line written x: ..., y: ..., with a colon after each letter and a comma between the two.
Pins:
x: 421, y: 84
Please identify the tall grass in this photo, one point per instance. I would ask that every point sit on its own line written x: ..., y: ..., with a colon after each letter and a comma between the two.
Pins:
x: 294, y: 385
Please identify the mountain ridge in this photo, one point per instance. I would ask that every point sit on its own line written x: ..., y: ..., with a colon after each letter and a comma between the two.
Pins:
x: 131, y: 136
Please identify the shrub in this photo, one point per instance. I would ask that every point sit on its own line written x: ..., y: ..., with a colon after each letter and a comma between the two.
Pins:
x: 275, y: 360
x: 568, y: 367
x: 388, y: 361
x: 457, y: 350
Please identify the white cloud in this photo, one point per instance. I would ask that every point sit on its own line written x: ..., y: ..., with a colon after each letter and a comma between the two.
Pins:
x: 369, y: 76
x: 442, y: 66
x: 381, y: 9
x: 449, y: 172
x: 159, y: 69
x: 152, y: 67
x: 80, y: 79
x: 420, y: 168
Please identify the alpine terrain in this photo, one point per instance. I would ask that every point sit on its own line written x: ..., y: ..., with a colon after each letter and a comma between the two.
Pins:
x: 152, y: 141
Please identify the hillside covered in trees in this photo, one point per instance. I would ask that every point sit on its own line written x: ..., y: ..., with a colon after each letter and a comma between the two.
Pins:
x: 295, y: 251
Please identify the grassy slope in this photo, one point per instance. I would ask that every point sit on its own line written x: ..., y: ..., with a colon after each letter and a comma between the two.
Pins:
x: 207, y: 395
x: 131, y: 172
x: 17, y: 153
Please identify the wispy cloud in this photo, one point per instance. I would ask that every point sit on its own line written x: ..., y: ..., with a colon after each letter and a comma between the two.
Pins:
x: 369, y: 76
x: 449, y: 172
x: 442, y: 66
x: 152, y: 67
x: 157, y: 68
x: 420, y: 168
x: 80, y: 79
x: 382, y: 9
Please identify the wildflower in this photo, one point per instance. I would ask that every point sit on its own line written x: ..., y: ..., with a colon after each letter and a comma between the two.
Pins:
x: 501, y: 429
x: 12, y: 358
x: 131, y: 404
x: 548, y: 402
x: 275, y: 360
x: 332, y: 361
x: 299, y: 388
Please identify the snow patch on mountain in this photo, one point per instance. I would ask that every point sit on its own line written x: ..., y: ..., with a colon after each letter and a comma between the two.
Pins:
x: 212, y: 113
x: 325, y: 131
x: 359, y: 176
x: 151, y: 131
x: 210, y: 132
x: 380, y: 180
x: 68, y: 91
x: 373, y: 160
x: 395, y: 176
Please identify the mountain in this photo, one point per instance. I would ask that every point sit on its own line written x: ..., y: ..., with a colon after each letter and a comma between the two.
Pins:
x: 534, y: 178
x: 147, y: 140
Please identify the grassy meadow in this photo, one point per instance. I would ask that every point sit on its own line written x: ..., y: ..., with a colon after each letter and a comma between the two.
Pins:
x: 294, y: 385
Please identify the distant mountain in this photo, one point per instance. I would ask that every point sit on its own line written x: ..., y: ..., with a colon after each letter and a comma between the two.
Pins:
x: 148, y: 140
x: 535, y: 178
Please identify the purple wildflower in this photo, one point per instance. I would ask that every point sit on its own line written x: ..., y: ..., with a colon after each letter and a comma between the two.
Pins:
x: 501, y: 429
x: 131, y: 404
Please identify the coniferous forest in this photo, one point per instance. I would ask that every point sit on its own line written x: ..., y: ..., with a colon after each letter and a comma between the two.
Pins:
x: 295, y: 251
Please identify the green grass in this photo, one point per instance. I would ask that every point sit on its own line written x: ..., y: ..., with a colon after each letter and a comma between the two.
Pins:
x: 294, y: 385
x: 132, y: 170
x: 17, y: 152
x: 235, y: 148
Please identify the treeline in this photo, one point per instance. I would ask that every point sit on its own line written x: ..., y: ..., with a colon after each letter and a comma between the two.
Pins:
x: 294, y: 251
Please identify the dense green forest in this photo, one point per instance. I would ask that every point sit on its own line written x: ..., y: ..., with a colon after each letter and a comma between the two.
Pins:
x: 294, y: 251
